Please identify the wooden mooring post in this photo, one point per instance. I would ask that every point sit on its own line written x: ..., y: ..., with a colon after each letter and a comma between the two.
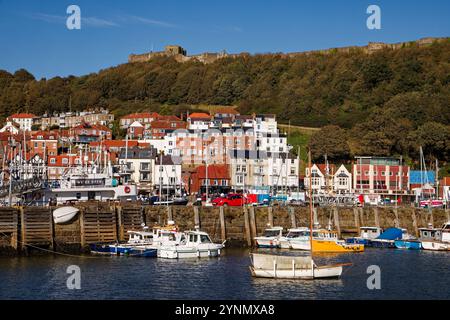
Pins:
x: 397, y: 220
x: 196, y: 217
x: 292, y: 215
x: 253, y: 222
x: 414, y: 221
x: 169, y: 213
x: 247, y: 227
x: 222, y: 224
x: 336, y: 221
x: 356, y: 215
x: 377, y: 217
x: 270, y: 216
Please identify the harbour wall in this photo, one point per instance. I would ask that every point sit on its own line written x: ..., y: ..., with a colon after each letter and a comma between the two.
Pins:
x: 30, y: 230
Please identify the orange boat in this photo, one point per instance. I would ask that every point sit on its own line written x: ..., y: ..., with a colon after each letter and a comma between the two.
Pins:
x: 327, y: 241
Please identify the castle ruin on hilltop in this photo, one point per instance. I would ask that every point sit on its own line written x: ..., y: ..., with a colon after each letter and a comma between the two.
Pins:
x: 180, y: 54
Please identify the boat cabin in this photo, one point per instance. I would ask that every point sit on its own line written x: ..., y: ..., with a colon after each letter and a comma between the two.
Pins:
x: 139, y: 237
x: 445, y: 236
x: 273, y: 232
x: 197, y: 237
x: 324, y: 234
x: 370, y: 232
x: 297, y: 232
x: 429, y: 234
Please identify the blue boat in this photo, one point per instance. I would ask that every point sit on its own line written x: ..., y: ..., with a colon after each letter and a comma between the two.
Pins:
x: 408, y: 244
x: 386, y: 239
x: 100, y: 248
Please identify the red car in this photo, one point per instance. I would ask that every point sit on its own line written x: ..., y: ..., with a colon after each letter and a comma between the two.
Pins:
x: 232, y: 200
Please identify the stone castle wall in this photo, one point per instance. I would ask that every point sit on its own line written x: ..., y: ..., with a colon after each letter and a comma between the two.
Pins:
x: 212, y: 57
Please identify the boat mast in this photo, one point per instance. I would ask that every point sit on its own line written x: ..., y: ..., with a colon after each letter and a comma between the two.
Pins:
x: 310, y: 203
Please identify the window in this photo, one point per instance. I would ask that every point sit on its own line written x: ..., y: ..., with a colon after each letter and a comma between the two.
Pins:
x: 53, y: 160
x: 145, y: 165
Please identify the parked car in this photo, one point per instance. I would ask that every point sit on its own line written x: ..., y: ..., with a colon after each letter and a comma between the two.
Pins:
x: 232, y: 200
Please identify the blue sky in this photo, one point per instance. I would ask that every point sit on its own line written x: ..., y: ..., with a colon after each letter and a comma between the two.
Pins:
x: 33, y: 34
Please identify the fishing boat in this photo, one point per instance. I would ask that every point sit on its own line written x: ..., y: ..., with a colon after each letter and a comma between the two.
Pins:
x: 291, y: 267
x: 270, y: 238
x: 195, y: 244
x: 365, y: 234
x: 64, y: 214
x: 296, y: 234
x: 327, y: 241
x: 439, y: 239
x: 140, y: 243
x: 387, y: 238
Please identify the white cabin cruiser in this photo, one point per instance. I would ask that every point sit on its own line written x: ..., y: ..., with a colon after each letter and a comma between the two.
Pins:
x: 291, y: 267
x: 270, y: 238
x: 296, y: 234
x: 194, y: 244
x: 437, y: 239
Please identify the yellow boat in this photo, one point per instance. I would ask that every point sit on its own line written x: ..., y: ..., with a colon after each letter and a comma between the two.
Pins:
x: 327, y: 241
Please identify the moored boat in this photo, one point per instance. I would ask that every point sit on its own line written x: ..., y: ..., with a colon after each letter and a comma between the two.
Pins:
x: 386, y: 239
x: 270, y: 238
x: 64, y: 214
x: 291, y: 267
x: 293, y: 235
x: 195, y: 244
x: 365, y: 234
x: 436, y: 239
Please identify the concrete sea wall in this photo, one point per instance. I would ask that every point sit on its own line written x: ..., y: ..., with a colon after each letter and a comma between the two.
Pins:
x: 32, y: 230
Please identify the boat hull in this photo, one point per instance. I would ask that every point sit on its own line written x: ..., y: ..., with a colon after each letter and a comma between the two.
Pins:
x: 382, y: 244
x: 334, y: 247
x: 64, y: 214
x: 301, y: 274
x: 435, y: 246
x: 301, y: 245
x: 357, y: 241
x: 262, y: 242
x: 99, y: 248
x: 284, y: 244
x: 177, y: 253
x: 408, y: 244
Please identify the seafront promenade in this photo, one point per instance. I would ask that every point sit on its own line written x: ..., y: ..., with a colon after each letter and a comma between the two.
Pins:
x: 30, y: 230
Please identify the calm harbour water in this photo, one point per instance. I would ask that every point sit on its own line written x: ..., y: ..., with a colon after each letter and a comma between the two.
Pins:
x: 404, y: 275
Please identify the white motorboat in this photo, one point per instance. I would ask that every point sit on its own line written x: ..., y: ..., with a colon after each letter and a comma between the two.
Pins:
x: 271, y: 238
x: 291, y: 267
x: 296, y: 234
x: 194, y: 244
x: 168, y: 235
x: 437, y: 239
x: 64, y: 214
x: 304, y: 242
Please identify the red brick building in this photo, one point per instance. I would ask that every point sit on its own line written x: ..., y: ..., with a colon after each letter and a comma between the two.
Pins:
x: 219, y: 180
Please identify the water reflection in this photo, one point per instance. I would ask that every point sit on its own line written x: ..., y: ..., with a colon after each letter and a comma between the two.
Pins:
x: 405, y: 275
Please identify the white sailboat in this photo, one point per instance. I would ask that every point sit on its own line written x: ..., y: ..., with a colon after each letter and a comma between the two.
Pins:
x: 293, y: 267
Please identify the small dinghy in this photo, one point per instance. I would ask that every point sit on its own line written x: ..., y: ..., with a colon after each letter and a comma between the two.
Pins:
x: 291, y: 267
x: 64, y: 214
